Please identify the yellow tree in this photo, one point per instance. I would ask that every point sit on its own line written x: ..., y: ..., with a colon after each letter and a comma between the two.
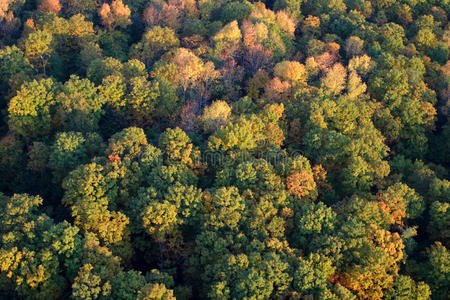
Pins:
x: 335, y: 79
x: 286, y: 23
x: 227, y: 41
x: 291, y: 71
x: 38, y: 48
x: 192, y: 72
x: 216, y: 115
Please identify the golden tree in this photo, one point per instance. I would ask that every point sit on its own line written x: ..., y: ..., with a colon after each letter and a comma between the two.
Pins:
x: 216, y: 115
x: 291, y: 71
x: 116, y: 14
x: 300, y: 183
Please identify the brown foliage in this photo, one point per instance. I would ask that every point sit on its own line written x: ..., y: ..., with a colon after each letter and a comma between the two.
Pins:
x: 195, y: 42
x: 311, y: 25
x: 333, y: 48
x: 190, y: 113
x: 390, y: 243
x: 326, y: 60
x: 320, y: 176
x: 189, y: 67
x: 395, y: 213
x: 249, y: 33
x: 439, y: 14
x: 285, y: 22
x: 277, y: 90
x: 295, y: 130
x: 257, y: 83
x: 232, y: 76
x: 113, y: 157
x: 47, y: 6
x: 257, y: 57
x: 170, y: 16
x: 275, y: 134
x: 403, y: 13
x: 354, y: 46
x: 10, y: 24
x: 291, y: 71
x: 151, y: 16
x: 105, y: 14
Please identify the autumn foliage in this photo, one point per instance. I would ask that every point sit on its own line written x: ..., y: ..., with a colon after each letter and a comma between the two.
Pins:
x: 224, y: 149
x: 47, y: 6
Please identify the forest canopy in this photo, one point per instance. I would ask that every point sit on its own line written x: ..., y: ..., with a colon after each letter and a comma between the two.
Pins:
x: 224, y: 149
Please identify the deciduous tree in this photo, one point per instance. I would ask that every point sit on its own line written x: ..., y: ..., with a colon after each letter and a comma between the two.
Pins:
x: 115, y: 14
x: 30, y: 111
x: 47, y: 6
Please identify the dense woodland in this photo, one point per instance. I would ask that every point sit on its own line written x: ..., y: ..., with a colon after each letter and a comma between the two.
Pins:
x: 218, y: 149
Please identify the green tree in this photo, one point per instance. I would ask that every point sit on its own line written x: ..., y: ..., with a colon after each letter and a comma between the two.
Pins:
x: 79, y: 106
x: 439, y: 221
x: 247, y: 133
x: 88, y: 285
x: 100, y: 69
x: 38, y: 256
x: 38, y: 49
x: 141, y: 101
x: 127, y: 144
x: 126, y: 286
x: 438, y: 274
x: 160, y: 219
x: 89, y: 193
x: 292, y: 6
x: 30, y: 111
x: 73, y: 7
x: 314, y: 221
x: 188, y: 200
x: 227, y: 41
x: 97, y: 271
x: 317, y: 7
x: 392, y: 36
x: 155, y: 291
x: 12, y: 163
x: 168, y: 105
x: 134, y: 68
x: 227, y: 209
x: 67, y: 153
x: 177, y: 146
x: 114, y: 44
x: 406, y: 288
x: 400, y: 202
x: 312, y: 274
x: 15, y: 69
x: 155, y: 42
x: 112, y: 92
